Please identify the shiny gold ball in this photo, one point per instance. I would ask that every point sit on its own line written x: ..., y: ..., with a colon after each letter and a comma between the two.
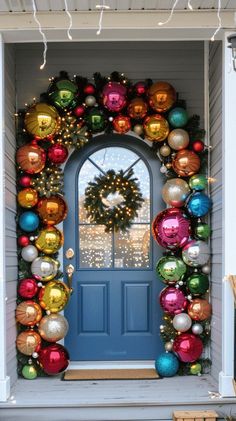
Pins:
x: 27, y: 198
x: 168, y: 165
x: 49, y: 240
x: 54, y: 297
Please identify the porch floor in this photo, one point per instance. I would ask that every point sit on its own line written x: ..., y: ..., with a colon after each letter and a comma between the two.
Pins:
x: 116, y: 400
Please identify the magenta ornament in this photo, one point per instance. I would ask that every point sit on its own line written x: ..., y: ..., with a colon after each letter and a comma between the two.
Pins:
x: 173, y: 301
x: 188, y: 347
x: 171, y: 228
x: 114, y: 96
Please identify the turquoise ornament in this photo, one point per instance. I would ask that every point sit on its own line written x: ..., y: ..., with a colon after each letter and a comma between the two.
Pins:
x: 167, y: 364
x: 170, y: 269
x: 178, y: 117
x: 199, y: 204
x: 202, y: 231
x: 197, y: 284
x: 29, y: 221
x: 198, y: 182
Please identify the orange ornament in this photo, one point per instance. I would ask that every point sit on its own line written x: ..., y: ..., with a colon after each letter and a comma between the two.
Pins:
x: 27, y: 198
x: 28, y: 341
x: 31, y: 158
x: 186, y: 163
x: 162, y: 96
x: 156, y: 128
x: 199, y: 309
x: 52, y: 210
x: 42, y: 120
x: 28, y: 313
x: 137, y: 108
x: 121, y: 124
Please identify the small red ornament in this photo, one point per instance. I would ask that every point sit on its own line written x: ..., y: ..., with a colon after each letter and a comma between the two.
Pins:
x: 198, y: 146
x: 140, y: 88
x: 53, y: 359
x: 28, y: 288
x: 79, y: 111
x: 57, y: 153
x: 89, y: 89
x: 121, y: 124
x: 25, y: 181
x: 188, y: 347
x: 23, y: 241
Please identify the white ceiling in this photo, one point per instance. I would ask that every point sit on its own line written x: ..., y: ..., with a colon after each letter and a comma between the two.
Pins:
x: 12, y: 6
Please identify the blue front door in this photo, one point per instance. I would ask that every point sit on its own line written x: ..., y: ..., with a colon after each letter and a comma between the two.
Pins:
x: 113, y: 312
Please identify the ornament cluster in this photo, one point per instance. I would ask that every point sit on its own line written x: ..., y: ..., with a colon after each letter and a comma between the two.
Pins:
x: 67, y: 116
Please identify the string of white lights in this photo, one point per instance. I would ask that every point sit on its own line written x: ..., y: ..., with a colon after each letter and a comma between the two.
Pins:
x: 70, y: 20
x: 43, y: 35
x: 189, y: 5
x: 171, y: 14
x: 219, y: 21
x: 102, y: 7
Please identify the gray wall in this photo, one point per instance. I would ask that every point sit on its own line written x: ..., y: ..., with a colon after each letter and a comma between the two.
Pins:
x: 215, y: 69
x: 10, y: 203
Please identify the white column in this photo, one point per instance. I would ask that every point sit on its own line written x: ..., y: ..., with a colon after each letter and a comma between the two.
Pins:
x: 229, y: 222
x: 4, y: 379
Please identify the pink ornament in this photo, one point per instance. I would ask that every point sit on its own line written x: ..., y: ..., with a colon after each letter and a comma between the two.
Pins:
x: 171, y: 228
x: 140, y: 88
x: 188, y: 347
x: 25, y: 181
x: 114, y: 96
x: 79, y: 111
x: 57, y: 154
x: 27, y: 288
x: 173, y: 301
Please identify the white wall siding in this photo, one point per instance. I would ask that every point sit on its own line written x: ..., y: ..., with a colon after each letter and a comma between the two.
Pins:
x: 10, y: 204
x: 215, y: 91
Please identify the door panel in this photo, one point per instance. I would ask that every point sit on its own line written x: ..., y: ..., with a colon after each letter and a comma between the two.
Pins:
x: 113, y: 313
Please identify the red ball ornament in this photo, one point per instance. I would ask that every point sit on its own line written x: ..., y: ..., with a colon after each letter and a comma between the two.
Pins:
x: 121, y: 124
x: 79, y: 111
x: 28, y: 288
x: 188, y: 347
x: 25, y: 181
x: 23, y: 241
x: 57, y: 154
x: 140, y: 88
x: 198, y: 146
x: 89, y: 89
x: 53, y: 359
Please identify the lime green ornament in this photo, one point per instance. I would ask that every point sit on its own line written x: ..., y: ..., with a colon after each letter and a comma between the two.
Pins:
x: 96, y: 120
x: 195, y: 369
x: 62, y: 93
x: 202, y: 231
x: 170, y: 269
x: 29, y: 372
x: 197, y: 284
x: 198, y: 182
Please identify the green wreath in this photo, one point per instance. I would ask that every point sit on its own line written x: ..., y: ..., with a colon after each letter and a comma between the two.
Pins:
x: 113, y: 200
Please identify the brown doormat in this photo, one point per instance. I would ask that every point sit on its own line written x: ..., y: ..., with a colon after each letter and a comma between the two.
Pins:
x: 109, y: 374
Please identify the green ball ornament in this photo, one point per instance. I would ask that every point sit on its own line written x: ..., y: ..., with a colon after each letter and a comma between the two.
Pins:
x: 62, y: 94
x: 195, y: 369
x: 202, y: 231
x: 197, y: 284
x: 170, y: 269
x: 29, y: 372
x: 96, y: 120
x: 198, y: 182
x: 178, y: 117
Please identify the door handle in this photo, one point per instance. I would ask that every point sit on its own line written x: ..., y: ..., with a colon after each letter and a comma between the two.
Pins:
x: 69, y: 253
x: 70, y: 270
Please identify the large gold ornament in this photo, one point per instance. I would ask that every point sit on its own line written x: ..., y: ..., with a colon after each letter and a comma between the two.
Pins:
x: 156, y: 128
x: 49, y: 240
x: 54, y: 297
x: 162, y: 96
x: 28, y: 341
x: 28, y: 313
x: 42, y: 120
x: 52, y: 210
x: 27, y: 198
x: 53, y: 327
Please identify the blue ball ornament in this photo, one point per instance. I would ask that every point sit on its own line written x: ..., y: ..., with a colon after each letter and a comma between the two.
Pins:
x: 178, y: 117
x: 199, y: 204
x: 167, y: 364
x: 29, y: 221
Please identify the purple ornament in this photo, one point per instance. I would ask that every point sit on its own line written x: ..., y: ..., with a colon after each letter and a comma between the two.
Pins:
x: 173, y: 301
x: 171, y: 228
x: 114, y: 96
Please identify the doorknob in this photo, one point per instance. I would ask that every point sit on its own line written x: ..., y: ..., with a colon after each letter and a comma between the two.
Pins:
x: 70, y: 270
x: 69, y: 253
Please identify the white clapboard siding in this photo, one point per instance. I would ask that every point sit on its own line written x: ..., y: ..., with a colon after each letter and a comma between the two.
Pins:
x: 10, y: 205
x: 215, y: 92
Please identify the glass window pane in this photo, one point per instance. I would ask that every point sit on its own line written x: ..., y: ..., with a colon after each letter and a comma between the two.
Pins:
x: 132, y: 248
x: 142, y: 174
x: 87, y: 174
x: 95, y: 247
x: 115, y: 158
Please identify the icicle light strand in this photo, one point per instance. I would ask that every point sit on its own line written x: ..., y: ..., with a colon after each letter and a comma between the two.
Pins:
x: 43, y: 36
x: 219, y: 21
x: 189, y: 5
x: 70, y: 20
x: 171, y: 14
x: 102, y: 7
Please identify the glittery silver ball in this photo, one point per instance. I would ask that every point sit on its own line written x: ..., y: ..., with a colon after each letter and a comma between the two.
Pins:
x: 110, y: 118
x: 197, y: 329
x: 90, y: 101
x: 35, y: 355
x: 163, y: 169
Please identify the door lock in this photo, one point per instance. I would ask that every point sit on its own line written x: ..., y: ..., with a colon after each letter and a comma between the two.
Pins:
x: 69, y: 253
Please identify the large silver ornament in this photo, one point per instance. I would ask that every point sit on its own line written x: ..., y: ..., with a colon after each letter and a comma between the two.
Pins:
x: 196, y: 253
x: 29, y: 253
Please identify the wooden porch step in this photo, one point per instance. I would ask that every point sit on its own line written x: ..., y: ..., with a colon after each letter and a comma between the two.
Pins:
x: 195, y: 416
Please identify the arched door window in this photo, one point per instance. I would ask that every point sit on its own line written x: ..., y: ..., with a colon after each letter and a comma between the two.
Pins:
x: 100, y: 250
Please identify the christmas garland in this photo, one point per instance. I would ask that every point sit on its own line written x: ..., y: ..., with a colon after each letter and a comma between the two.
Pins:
x: 113, y: 200
x: 67, y: 116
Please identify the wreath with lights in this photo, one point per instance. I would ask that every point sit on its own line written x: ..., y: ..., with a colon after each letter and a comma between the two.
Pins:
x: 113, y: 200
